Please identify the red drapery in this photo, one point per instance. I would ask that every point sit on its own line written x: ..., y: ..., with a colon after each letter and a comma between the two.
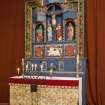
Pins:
x: 11, y: 42
x: 95, y: 21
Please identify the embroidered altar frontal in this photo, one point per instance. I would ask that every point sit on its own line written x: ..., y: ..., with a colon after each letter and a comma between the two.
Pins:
x: 48, y: 92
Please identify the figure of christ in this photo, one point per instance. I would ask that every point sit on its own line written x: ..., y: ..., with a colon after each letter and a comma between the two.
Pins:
x: 49, y: 32
x: 70, y: 31
x: 58, y: 33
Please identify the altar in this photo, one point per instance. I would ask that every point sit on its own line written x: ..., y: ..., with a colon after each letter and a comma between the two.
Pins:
x: 54, y: 61
x: 49, y: 91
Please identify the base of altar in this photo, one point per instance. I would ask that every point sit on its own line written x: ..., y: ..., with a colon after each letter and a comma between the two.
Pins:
x: 49, y: 91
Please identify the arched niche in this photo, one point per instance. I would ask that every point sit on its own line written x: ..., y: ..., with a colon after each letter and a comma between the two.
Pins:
x: 69, y: 30
x: 39, y: 32
x: 54, y: 23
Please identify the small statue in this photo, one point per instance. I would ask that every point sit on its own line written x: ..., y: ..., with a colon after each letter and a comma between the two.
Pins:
x: 58, y: 33
x: 70, y: 31
x: 49, y: 32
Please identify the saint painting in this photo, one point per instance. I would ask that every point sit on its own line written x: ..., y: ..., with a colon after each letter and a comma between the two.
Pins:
x: 38, y: 51
x: 69, y: 32
x: 69, y: 50
x: 39, y: 33
x: 58, y: 32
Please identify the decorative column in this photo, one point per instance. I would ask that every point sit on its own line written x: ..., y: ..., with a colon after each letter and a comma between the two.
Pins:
x: 78, y: 45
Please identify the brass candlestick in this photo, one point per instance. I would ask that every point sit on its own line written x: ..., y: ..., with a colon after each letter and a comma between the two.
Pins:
x: 23, y: 66
x: 77, y: 66
x: 78, y: 44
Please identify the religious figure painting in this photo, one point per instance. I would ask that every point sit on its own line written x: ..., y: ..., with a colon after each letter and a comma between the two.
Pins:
x: 39, y: 51
x: 59, y: 32
x: 69, y: 31
x: 69, y: 50
x: 39, y: 33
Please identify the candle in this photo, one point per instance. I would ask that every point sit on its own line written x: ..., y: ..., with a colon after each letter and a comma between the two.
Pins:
x: 18, y: 70
x: 41, y: 66
x: 77, y: 59
x: 26, y: 67
x: 35, y: 66
x: 32, y: 66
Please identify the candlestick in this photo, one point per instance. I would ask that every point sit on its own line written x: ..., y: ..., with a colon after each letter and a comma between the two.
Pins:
x: 22, y: 66
x: 22, y: 61
x: 78, y: 43
x: 18, y: 71
x: 77, y: 66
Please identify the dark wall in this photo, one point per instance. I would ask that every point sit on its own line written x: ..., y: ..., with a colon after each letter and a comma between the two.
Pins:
x: 11, y: 42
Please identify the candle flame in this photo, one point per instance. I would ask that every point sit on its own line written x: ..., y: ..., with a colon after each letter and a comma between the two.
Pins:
x: 18, y: 70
